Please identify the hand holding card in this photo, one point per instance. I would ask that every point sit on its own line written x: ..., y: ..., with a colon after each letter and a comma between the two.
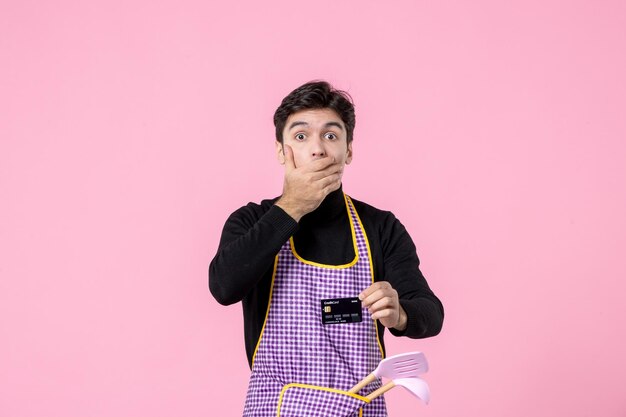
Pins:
x: 383, y: 304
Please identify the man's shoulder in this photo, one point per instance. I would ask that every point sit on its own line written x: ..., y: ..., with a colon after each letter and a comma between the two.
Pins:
x: 359, y: 204
x: 382, y: 225
x: 370, y: 213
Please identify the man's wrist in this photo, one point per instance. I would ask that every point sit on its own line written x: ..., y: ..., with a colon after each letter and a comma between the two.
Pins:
x: 402, y: 321
x: 290, y: 209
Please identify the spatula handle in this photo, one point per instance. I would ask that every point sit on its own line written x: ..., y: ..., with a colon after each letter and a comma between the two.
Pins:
x: 367, y: 380
x: 380, y: 391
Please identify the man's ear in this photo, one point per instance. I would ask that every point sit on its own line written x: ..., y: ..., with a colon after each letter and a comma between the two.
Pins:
x: 280, y: 153
x: 349, y: 156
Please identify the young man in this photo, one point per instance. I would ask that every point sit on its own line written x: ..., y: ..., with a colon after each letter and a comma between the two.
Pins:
x: 298, y: 262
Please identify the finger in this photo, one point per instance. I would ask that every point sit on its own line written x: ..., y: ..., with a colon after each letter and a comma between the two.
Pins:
x: 382, y: 314
x: 382, y: 304
x: 372, y: 298
x: 380, y: 294
x: 290, y: 164
x: 333, y: 186
x: 374, y: 287
x: 332, y: 169
x: 330, y: 181
x: 320, y: 164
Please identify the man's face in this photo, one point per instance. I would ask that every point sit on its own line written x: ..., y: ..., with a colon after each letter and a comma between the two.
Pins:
x: 313, y: 134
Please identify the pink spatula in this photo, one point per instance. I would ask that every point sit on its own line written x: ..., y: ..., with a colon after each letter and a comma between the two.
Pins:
x: 415, y: 386
x: 406, y: 365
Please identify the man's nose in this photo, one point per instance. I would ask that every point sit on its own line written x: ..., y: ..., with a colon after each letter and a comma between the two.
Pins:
x: 317, y: 149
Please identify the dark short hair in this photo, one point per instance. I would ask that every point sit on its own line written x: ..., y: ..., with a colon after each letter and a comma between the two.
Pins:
x: 315, y: 95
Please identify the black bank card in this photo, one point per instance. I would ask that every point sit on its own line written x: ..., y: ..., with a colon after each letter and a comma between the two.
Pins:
x: 341, y: 310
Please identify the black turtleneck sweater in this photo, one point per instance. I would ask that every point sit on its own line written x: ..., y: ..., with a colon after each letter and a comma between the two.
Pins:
x: 252, y: 236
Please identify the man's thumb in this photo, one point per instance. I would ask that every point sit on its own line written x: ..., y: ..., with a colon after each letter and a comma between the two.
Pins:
x: 289, y: 162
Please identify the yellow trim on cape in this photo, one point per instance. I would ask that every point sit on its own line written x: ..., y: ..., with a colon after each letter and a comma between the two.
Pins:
x: 315, y: 387
x: 267, y: 312
x: 369, y: 255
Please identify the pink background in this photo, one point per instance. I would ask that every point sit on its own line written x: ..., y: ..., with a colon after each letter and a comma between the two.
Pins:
x: 130, y: 130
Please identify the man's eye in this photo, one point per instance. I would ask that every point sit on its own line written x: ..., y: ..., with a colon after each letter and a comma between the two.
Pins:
x: 331, y: 136
x: 300, y: 136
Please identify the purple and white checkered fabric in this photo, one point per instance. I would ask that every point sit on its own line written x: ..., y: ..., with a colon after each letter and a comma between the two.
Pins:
x: 306, y: 402
x: 295, y: 346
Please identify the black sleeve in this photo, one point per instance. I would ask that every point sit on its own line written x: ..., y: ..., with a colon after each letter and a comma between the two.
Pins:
x: 401, y: 269
x: 250, y: 241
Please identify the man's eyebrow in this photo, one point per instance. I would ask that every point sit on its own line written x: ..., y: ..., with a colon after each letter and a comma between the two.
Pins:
x: 298, y: 123
x: 329, y: 124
